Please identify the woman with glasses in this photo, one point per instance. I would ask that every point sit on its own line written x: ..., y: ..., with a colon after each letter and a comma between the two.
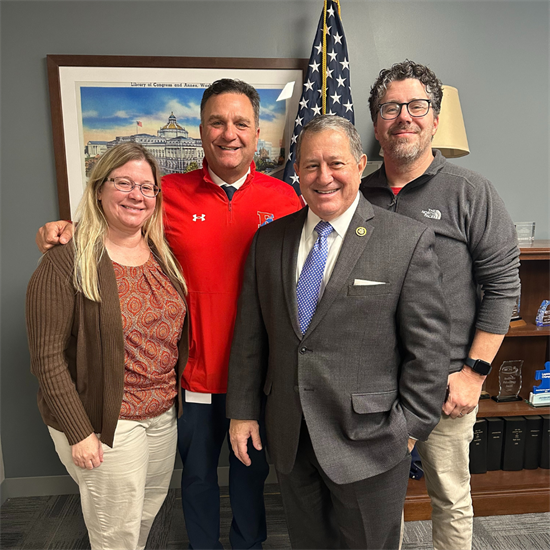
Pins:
x: 108, y: 337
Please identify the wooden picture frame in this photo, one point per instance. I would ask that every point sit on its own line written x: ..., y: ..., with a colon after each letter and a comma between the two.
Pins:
x: 69, y: 74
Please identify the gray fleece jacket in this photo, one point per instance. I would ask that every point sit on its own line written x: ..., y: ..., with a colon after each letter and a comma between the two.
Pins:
x: 475, y: 242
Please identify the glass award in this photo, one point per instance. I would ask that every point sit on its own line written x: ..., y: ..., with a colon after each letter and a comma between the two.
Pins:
x: 516, y: 311
x: 525, y: 232
x: 509, y: 381
x: 543, y: 314
x: 516, y: 320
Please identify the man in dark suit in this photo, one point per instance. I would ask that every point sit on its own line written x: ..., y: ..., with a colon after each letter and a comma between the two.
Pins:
x: 342, y: 325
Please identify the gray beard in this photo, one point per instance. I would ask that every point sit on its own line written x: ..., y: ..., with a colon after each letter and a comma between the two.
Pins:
x: 403, y: 152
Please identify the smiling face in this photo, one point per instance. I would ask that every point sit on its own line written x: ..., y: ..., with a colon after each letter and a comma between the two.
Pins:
x: 229, y: 135
x: 127, y: 212
x: 406, y: 139
x: 329, y: 174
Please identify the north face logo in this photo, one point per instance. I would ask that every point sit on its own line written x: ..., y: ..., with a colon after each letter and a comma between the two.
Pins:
x: 196, y: 217
x: 432, y: 214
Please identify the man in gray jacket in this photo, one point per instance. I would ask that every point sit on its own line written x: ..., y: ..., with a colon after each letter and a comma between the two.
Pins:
x: 477, y: 250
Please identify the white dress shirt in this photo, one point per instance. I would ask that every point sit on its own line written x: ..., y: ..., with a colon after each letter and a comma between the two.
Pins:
x: 334, y: 241
x: 218, y: 181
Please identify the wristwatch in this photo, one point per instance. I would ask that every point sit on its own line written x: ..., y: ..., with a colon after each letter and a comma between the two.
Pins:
x: 479, y: 366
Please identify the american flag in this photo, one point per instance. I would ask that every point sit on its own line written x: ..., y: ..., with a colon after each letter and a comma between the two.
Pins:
x: 138, y: 122
x: 327, y: 85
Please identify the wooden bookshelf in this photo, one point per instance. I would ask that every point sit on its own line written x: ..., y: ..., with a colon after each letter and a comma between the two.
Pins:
x: 528, y: 342
x: 494, y: 494
x: 526, y: 491
x: 488, y: 407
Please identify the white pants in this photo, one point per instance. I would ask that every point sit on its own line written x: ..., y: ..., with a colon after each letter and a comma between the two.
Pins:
x: 445, y: 461
x: 121, y: 498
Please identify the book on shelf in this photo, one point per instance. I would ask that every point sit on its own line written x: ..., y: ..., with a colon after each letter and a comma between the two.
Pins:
x: 533, y: 438
x: 495, y: 431
x: 478, y: 448
x: 514, y: 442
x: 545, y: 442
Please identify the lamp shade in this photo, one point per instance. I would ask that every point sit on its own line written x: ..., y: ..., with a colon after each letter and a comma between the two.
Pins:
x: 451, y: 138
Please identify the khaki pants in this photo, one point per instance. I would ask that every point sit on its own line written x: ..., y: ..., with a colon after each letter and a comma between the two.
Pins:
x: 445, y: 460
x: 121, y: 498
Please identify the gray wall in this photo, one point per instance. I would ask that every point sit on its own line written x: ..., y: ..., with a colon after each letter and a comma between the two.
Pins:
x: 2, y: 474
x: 495, y: 52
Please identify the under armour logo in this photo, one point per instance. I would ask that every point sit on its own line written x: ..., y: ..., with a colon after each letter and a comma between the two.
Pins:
x: 432, y: 214
x: 196, y: 217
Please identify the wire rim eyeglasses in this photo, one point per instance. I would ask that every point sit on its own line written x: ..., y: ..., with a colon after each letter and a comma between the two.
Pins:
x: 126, y: 185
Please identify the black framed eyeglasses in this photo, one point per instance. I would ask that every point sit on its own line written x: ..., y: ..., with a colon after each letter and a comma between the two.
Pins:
x: 416, y: 108
x: 126, y: 184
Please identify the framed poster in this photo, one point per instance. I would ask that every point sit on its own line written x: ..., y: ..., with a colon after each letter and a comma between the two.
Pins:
x: 99, y: 101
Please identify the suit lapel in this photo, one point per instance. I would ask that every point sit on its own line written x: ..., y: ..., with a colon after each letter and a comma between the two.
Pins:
x: 353, y: 247
x: 291, y: 244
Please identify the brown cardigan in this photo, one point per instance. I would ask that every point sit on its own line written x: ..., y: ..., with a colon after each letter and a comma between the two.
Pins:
x: 77, y: 348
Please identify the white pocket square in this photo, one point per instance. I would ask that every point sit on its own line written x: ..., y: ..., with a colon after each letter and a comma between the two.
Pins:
x: 364, y: 282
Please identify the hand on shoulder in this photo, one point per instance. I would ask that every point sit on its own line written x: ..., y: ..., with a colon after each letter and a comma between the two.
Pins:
x: 54, y: 233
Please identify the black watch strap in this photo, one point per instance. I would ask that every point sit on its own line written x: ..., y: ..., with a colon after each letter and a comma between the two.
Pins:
x: 479, y: 366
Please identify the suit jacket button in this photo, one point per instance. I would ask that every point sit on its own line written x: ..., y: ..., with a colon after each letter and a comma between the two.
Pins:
x: 303, y: 350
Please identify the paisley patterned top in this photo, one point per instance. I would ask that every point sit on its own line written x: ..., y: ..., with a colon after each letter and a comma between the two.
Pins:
x: 152, y: 319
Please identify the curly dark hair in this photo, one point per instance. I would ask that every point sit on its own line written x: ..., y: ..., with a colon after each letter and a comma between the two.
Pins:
x: 402, y: 71
x: 233, y: 86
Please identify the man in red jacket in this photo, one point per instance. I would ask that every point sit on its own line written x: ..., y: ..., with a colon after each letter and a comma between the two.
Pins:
x: 211, y: 215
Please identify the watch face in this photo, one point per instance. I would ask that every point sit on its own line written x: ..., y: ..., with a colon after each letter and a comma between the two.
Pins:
x: 482, y: 367
x: 479, y: 366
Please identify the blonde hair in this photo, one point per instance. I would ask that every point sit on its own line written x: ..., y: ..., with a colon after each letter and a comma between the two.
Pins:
x: 91, y: 231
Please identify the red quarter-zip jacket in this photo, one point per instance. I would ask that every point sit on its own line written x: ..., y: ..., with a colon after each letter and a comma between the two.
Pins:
x: 210, y: 236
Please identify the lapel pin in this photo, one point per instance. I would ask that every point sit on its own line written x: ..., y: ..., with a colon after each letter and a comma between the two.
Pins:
x: 360, y: 231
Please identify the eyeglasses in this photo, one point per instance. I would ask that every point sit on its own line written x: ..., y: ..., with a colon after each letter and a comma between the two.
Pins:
x: 126, y: 184
x: 416, y: 108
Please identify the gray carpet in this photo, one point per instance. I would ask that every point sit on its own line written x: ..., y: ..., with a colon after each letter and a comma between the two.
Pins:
x: 518, y: 532
x: 55, y: 522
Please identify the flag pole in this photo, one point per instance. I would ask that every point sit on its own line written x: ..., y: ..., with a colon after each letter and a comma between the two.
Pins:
x: 324, y: 61
x: 326, y: 87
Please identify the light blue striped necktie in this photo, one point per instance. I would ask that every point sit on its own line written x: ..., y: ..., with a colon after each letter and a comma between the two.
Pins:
x: 309, y: 283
